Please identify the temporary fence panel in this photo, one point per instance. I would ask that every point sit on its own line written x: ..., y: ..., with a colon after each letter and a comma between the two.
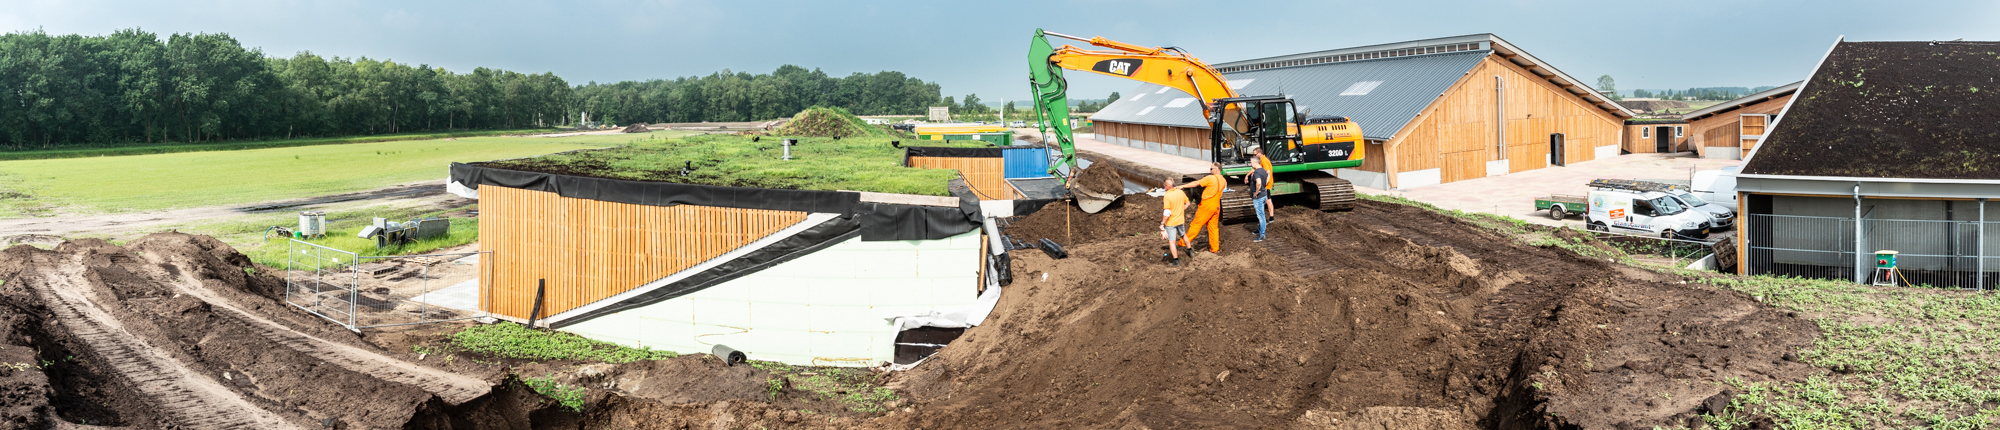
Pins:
x: 1803, y: 246
x: 1026, y: 162
x: 322, y: 281
x: 327, y: 282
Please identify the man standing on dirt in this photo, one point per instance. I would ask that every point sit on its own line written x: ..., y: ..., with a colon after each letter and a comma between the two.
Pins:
x: 1260, y: 190
x: 1209, y: 213
x: 1173, y: 219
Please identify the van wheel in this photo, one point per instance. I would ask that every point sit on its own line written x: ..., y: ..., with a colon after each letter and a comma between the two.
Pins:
x: 1556, y: 213
x: 1596, y: 226
x: 1667, y: 234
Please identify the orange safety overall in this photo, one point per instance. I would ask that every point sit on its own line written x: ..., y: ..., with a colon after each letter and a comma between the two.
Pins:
x: 1208, y: 214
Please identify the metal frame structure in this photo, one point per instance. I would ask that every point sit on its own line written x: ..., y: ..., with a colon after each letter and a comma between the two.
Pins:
x: 325, y: 282
x: 1853, y: 241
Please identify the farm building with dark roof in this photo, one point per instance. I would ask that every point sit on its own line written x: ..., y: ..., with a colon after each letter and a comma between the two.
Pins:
x: 1888, y: 146
x: 1433, y: 111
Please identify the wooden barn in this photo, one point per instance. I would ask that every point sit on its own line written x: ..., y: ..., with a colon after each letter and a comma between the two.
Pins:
x: 1432, y: 111
x: 1655, y: 135
x: 1731, y: 129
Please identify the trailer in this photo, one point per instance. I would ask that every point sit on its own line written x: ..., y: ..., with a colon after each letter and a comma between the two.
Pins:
x: 1561, y: 205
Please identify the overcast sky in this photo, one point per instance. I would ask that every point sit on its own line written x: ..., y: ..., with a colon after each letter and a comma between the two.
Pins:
x: 979, y: 47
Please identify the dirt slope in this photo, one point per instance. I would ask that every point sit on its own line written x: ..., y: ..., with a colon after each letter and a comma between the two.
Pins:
x: 1425, y: 322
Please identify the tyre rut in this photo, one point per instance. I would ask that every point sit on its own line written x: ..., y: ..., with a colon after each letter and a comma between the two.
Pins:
x: 189, y: 399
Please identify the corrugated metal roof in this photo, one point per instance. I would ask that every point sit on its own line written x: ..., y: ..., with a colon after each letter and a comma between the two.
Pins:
x: 1780, y: 91
x: 1407, y: 85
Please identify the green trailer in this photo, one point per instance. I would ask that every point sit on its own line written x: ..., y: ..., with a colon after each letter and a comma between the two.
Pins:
x: 1561, y: 205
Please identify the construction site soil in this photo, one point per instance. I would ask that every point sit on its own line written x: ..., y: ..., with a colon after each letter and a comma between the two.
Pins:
x: 1424, y: 321
x: 1416, y: 320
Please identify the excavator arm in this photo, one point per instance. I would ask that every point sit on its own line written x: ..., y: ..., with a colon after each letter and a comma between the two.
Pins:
x: 1163, y: 66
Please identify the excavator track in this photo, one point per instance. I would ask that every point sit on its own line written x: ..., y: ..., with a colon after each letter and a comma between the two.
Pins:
x: 1334, y: 194
x: 1236, y: 206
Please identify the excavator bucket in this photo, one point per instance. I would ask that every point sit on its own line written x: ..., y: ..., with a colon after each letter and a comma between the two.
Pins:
x: 1092, y: 201
x: 1096, y: 187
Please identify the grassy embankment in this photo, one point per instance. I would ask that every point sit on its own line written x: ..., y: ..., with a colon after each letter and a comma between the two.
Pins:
x: 863, y: 161
x: 1892, y: 357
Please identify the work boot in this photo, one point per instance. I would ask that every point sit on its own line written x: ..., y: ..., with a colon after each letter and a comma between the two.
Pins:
x: 1260, y: 238
x: 1174, y: 263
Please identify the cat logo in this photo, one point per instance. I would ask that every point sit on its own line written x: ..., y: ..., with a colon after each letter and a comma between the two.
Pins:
x: 1117, y: 67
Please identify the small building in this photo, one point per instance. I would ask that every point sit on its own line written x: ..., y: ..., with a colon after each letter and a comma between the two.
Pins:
x: 1729, y: 130
x: 1886, y: 146
x: 1432, y: 111
x: 1654, y: 135
x: 805, y: 277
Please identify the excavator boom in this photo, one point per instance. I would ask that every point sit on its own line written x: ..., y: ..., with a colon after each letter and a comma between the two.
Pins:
x: 1164, y: 66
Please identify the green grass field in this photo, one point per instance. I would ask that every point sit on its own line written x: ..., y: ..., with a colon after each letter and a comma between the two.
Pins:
x: 114, y: 150
x: 72, y: 186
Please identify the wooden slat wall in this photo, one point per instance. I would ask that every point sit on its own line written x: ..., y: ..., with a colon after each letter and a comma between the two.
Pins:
x: 1456, y: 134
x: 589, y: 250
x: 987, y: 175
x: 1721, y: 130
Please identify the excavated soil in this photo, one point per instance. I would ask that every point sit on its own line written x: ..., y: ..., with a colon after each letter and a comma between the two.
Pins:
x: 1103, y: 179
x: 181, y: 332
x: 1422, y: 322
x: 1066, y: 224
x: 1414, y: 320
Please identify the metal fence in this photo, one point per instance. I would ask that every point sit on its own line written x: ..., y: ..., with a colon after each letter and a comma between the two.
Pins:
x: 334, y: 284
x: 1802, y: 246
x: 1933, y: 253
x: 1673, y: 252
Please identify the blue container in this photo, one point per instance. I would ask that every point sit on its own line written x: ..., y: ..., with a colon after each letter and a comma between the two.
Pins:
x: 1025, y: 162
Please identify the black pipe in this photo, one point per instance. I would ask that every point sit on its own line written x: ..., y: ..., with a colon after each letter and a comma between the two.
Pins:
x: 729, y: 356
x: 540, y: 286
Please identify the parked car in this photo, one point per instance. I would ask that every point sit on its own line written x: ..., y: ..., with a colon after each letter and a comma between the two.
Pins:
x: 1721, y: 217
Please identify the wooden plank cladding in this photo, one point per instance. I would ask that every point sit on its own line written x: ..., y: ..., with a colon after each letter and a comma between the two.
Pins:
x: 986, y: 175
x: 589, y: 250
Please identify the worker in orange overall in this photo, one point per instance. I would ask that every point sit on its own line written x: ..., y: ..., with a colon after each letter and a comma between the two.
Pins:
x: 1173, y: 220
x: 1209, y: 212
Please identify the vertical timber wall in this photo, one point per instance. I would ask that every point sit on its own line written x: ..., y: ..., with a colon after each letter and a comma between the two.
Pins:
x: 589, y: 250
x: 986, y: 175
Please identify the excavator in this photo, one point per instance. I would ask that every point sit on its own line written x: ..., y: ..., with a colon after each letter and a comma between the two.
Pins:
x: 1299, y: 147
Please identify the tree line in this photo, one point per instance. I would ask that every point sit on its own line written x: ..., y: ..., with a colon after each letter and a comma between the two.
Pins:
x: 133, y: 86
x: 1701, y: 93
x: 728, y: 96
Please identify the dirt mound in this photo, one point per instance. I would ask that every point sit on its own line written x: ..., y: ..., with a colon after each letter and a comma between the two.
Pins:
x: 824, y: 122
x: 1426, y: 322
x: 681, y: 380
x: 1066, y: 224
x: 1103, y: 179
x: 1652, y: 105
x: 635, y: 128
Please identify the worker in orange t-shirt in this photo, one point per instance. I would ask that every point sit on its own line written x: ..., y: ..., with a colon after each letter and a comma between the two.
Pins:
x: 1209, y: 213
x: 1173, y: 219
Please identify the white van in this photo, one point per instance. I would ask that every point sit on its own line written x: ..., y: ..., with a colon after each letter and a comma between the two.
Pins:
x: 1716, y: 186
x: 1650, y: 212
